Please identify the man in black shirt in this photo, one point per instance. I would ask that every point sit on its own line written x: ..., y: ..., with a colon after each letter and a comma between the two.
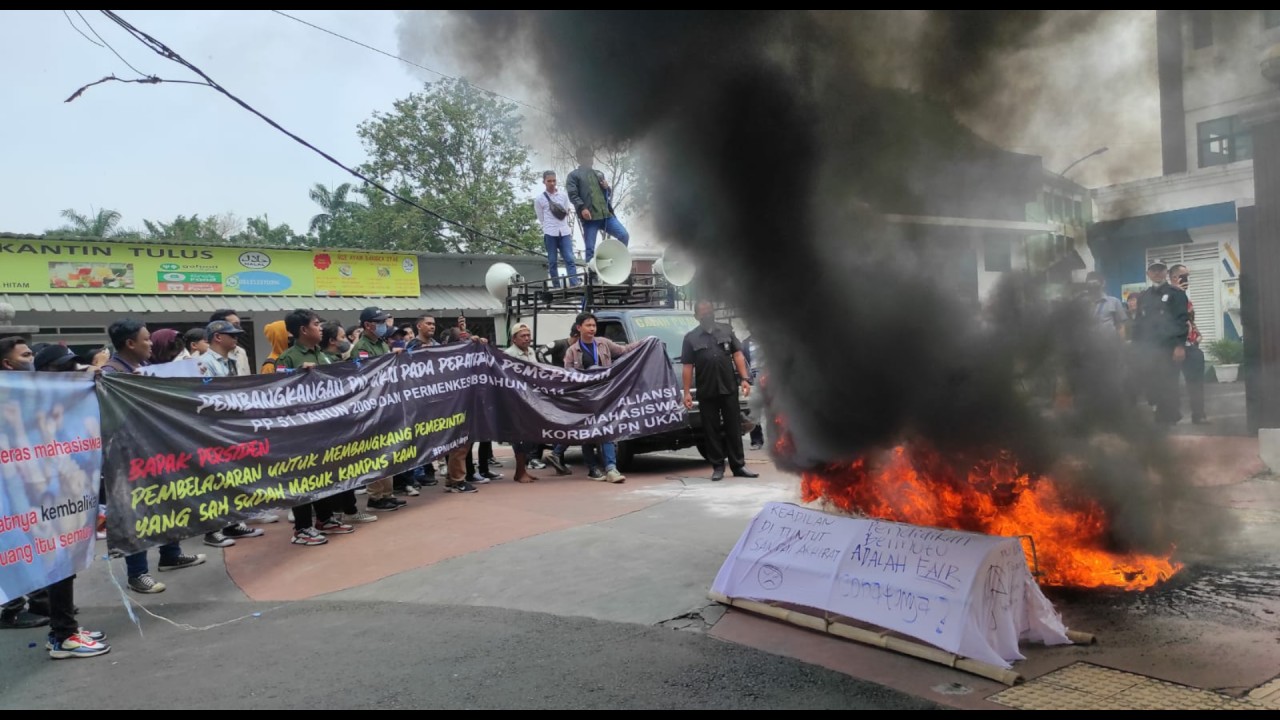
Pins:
x: 713, y: 354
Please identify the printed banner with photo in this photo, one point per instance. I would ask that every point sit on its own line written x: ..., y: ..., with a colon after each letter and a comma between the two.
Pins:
x: 187, y: 456
x: 50, y: 462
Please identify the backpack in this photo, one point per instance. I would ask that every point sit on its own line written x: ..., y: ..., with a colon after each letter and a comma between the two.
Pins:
x: 556, y: 208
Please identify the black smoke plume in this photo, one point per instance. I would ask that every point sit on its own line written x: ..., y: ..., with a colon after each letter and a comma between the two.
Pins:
x: 785, y: 149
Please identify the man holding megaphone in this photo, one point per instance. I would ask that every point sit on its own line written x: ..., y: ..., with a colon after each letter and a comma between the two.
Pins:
x: 592, y: 199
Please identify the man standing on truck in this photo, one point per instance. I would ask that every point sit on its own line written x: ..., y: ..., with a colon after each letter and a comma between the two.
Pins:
x: 713, y: 354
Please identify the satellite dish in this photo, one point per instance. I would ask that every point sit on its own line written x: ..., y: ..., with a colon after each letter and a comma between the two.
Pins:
x: 498, y: 278
x: 612, y: 262
x: 676, y: 267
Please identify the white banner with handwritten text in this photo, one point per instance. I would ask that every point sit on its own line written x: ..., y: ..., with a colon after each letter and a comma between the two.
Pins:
x: 966, y: 593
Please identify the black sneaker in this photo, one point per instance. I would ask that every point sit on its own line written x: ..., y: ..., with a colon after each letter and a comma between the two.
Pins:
x: 461, y: 487
x: 491, y: 475
x: 182, y: 561
x: 385, y: 505
x: 398, y: 501
x: 429, y: 481
x: 218, y: 539
x: 595, y: 474
x: 240, y: 530
x: 21, y: 620
x: 557, y: 462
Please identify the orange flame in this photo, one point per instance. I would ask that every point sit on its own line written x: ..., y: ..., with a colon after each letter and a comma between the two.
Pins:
x: 917, y: 486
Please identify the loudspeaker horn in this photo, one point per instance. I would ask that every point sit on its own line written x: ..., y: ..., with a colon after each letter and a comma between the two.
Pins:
x: 676, y: 267
x: 498, y: 278
x: 612, y: 262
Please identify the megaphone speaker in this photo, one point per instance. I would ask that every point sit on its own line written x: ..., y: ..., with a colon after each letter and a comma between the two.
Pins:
x: 676, y: 267
x: 612, y: 262
x: 498, y: 278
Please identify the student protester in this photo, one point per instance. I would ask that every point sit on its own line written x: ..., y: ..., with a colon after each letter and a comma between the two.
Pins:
x: 132, y: 343
x: 307, y: 330
x: 66, y: 638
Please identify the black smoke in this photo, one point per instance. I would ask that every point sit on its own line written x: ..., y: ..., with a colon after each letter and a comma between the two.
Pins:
x: 782, y: 145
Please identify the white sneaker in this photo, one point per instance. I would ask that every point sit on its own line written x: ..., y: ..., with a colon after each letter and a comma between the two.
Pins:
x: 359, y: 517
x: 478, y: 479
x: 264, y: 518
x: 613, y: 476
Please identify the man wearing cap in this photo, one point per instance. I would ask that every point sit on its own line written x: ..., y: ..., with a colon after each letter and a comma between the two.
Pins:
x: 372, y: 343
x: 1161, y: 331
x: 223, y: 337
x: 56, y: 358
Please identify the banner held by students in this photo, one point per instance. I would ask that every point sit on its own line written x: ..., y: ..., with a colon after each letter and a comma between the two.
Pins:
x: 50, y: 462
x: 187, y: 456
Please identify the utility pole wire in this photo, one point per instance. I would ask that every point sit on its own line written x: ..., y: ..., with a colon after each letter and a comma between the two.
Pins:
x: 73, y: 25
x: 164, y: 51
x: 106, y: 44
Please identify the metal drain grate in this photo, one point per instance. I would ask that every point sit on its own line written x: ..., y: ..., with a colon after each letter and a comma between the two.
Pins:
x: 1084, y: 686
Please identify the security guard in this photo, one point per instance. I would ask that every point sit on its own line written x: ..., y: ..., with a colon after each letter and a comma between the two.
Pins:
x: 713, y: 353
x: 1161, y: 328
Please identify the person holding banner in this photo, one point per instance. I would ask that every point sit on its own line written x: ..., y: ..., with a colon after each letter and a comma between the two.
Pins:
x: 334, y: 344
x: 373, y: 343
x: 16, y: 355
x: 308, y: 330
x: 521, y: 347
x: 66, y: 638
x: 587, y: 353
x: 132, y: 343
x: 219, y: 361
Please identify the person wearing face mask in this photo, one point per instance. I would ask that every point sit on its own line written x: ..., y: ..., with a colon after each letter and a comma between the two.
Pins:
x: 713, y: 354
x: 373, y: 343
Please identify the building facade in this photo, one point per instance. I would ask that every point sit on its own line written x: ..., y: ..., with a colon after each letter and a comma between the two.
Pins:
x: 69, y: 290
x: 1211, y: 82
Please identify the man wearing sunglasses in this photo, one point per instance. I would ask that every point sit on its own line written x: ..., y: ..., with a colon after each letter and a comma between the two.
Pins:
x: 1193, y: 365
x: 1161, y: 328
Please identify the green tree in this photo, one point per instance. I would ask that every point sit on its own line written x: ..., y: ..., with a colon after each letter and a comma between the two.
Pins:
x: 384, y: 223
x: 97, y: 224
x: 260, y: 232
x: 335, y: 204
x: 456, y: 149
x: 194, y: 230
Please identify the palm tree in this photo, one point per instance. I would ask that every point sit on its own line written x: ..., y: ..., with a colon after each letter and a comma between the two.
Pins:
x: 334, y: 202
x: 101, y: 225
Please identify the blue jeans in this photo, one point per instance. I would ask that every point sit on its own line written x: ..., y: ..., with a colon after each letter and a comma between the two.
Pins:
x: 611, y: 226
x: 136, y: 564
x: 562, y: 246
x: 607, y: 449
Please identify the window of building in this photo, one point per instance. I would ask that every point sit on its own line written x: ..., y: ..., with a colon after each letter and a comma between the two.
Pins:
x: 997, y: 254
x: 1201, y: 29
x: 1270, y: 18
x: 1223, y: 141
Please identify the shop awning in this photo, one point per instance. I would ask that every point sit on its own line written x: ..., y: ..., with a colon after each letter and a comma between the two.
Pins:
x: 438, y: 299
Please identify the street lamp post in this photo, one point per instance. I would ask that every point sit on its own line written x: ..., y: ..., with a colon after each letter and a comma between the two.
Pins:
x: 1099, y: 151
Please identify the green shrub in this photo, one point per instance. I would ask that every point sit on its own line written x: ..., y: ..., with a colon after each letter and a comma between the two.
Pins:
x: 1226, y: 351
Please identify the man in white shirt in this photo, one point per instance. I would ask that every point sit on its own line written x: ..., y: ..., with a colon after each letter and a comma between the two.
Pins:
x: 554, y: 215
x: 238, y: 354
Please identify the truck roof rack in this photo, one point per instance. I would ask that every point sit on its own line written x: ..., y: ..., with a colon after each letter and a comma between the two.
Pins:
x: 640, y: 290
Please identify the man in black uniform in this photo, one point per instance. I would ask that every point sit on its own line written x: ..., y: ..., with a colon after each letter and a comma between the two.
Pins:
x: 1161, y: 328
x: 714, y: 355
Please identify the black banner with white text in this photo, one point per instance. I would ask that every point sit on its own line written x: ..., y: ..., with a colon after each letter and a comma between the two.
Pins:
x: 185, y: 456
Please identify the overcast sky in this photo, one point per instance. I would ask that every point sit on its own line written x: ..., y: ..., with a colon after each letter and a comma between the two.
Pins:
x: 155, y: 152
